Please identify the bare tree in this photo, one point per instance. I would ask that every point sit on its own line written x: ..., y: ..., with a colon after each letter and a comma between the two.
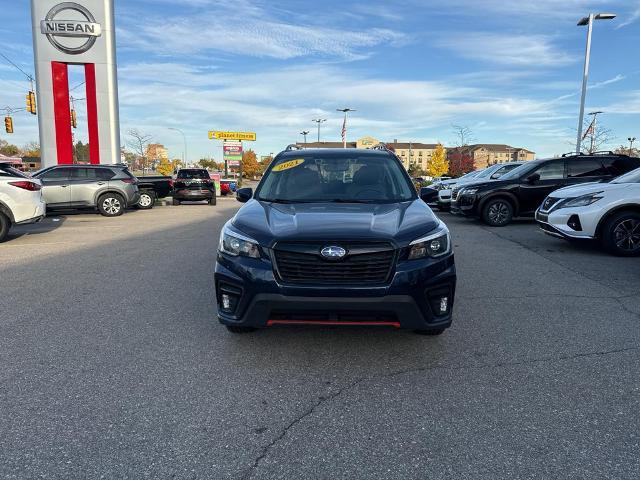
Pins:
x: 139, y: 143
x: 464, y: 135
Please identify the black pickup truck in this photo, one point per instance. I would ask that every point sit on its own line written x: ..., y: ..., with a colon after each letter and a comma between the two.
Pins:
x: 153, y: 187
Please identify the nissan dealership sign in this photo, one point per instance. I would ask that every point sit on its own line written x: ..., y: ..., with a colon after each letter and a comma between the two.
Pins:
x: 63, y: 28
x: 81, y: 34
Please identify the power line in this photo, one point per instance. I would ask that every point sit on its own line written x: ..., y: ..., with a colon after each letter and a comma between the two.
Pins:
x: 30, y: 77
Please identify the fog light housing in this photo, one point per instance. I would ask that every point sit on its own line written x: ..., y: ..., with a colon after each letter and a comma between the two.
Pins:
x: 440, y: 301
x: 574, y: 223
x: 228, y: 297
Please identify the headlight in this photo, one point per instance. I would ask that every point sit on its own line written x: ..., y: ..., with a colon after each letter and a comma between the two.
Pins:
x: 233, y: 243
x: 581, y: 201
x: 469, y: 191
x: 435, y: 245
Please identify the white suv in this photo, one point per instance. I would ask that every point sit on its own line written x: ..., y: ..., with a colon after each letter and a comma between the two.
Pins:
x: 606, y: 211
x: 20, y: 199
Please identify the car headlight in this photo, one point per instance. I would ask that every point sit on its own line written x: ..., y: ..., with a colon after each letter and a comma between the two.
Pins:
x: 469, y: 191
x: 232, y: 243
x: 581, y: 201
x: 434, y: 245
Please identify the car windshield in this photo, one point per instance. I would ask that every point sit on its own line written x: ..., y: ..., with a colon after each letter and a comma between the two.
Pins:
x: 632, y: 177
x: 519, y: 171
x: 189, y: 174
x: 318, y: 178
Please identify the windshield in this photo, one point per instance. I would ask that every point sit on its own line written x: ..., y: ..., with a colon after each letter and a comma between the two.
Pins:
x: 358, y: 179
x: 193, y: 174
x: 632, y: 177
x: 519, y: 171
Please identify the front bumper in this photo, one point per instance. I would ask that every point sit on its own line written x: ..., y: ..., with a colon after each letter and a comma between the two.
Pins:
x: 463, y: 205
x: 556, y: 223
x: 409, y: 301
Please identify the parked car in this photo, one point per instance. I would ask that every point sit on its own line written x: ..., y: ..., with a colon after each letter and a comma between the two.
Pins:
x: 109, y: 188
x: 20, y: 199
x: 609, y: 212
x: 431, y: 195
x: 493, y: 172
x: 520, y: 192
x: 152, y: 188
x: 228, y: 186
x: 193, y: 184
x: 311, y: 247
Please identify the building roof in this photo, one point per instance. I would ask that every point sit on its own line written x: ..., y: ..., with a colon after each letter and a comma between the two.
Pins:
x: 325, y: 144
x: 492, y: 147
x: 414, y: 145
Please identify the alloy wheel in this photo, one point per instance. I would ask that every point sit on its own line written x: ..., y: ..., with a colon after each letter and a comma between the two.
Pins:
x: 145, y: 200
x: 627, y: 235
x: 111, y: 205
x: 498, y: 213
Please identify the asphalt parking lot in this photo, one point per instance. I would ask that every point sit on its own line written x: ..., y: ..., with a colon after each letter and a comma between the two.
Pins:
x: 113, y: 365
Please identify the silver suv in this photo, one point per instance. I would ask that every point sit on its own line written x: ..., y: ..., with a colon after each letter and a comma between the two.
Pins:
x: 109, y: 188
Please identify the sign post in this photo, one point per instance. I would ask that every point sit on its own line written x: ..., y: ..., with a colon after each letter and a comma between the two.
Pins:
x: 232, y: 148
x: 80, y: 32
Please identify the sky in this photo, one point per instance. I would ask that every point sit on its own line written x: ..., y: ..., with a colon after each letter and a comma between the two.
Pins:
x: 509, y: 70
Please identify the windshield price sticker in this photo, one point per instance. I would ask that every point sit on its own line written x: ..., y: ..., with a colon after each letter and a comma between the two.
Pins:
x: 288, y: 165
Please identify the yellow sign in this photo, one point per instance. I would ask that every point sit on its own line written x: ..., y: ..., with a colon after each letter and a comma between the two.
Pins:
x: 287, y: 165
x: 247, y: 136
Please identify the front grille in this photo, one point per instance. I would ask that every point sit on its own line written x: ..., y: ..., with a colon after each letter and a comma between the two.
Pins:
x: 364, y: 264
x: 454, y: 193
x: 549, y: 203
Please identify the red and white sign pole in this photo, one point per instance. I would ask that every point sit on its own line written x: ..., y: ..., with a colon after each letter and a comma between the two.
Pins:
x: 76, y: 33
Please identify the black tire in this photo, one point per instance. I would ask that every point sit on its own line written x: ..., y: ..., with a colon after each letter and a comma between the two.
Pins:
x: 240, y: 330
x: 111, y: 205
x: 147, y: 200
x: 176, y: 202
x: 5, y: 225
x: 621, y: 234
x: 497, y: 212
x: 212, y: 201
x: 430, y: 333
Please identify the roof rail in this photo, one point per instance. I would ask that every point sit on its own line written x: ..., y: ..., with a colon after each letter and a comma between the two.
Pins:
x: 604, y: 152
x: 572, y: 154
x: 293, y: 146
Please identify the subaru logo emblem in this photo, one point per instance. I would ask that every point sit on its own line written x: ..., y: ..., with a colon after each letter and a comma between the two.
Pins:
x: 333, y: 252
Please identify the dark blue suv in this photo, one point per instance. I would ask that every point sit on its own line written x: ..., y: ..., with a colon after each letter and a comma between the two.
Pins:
x: 335, y: 237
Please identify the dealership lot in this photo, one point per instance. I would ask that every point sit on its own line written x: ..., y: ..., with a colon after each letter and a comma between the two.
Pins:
x: 114, y: 365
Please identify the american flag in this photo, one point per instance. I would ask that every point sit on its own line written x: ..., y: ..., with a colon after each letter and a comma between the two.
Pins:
x: 344, y: 130
x: 590, y: 130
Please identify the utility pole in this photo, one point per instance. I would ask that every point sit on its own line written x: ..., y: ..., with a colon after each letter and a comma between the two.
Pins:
x: 631, y: 140
x: 319, y: 121
x: 304, y: 133
x: 344, y: 125
x: 588, y: 21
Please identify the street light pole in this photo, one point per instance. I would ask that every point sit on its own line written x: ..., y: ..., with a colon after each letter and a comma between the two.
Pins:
x: 344, y: 125
x: 631, y: 140
x: 184, y: 137
x: 304, y: 133
x: 588, y: 21
x: 319, y: 121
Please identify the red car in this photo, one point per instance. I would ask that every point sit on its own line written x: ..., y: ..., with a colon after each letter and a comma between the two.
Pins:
x: 227, y: 186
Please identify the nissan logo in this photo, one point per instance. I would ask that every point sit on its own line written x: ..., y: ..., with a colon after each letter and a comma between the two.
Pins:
x: 55, y: 27
x: 333, y: 252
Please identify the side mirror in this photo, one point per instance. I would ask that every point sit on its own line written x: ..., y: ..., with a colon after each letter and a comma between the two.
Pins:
x: 428, y: 194
x: 533, y: 178
x: 244, y: 194
x: 495, y: 176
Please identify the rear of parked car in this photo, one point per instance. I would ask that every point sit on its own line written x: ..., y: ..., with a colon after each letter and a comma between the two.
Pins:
x: 194, y: 184
x: 109, y: 188
x: 20, y: 199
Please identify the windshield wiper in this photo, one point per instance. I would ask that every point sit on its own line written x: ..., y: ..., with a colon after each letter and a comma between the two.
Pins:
x: 344, y: 200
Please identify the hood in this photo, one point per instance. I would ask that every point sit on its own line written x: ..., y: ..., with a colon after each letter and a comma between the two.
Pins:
x: 398, y: 222
x: 588, y: 188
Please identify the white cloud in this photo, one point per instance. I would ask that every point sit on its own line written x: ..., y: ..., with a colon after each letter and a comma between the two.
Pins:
x: 506, y: 49
x: 633, y: 17
x: 248, y: 29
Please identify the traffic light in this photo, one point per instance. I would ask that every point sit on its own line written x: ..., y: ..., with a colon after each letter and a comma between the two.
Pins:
x: 31, y: 103
x: 74, y: 119
x: 8, y: 124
